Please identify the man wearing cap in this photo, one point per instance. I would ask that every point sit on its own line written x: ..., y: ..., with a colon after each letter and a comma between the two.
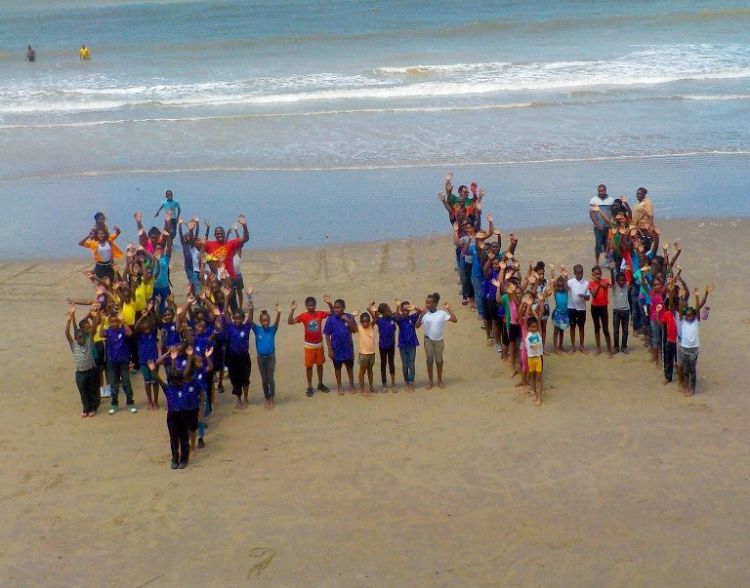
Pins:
x: 601, y: 203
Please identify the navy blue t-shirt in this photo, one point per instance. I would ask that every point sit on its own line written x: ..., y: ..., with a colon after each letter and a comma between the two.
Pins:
x: 387, y: 331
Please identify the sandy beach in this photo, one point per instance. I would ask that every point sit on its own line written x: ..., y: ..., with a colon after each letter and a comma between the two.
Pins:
x: 615, y: 481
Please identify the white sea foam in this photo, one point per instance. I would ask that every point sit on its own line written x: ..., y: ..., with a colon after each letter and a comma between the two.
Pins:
x: 646, y: 67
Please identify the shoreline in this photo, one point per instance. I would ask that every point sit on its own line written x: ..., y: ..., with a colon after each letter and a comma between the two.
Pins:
x: 547, y: 231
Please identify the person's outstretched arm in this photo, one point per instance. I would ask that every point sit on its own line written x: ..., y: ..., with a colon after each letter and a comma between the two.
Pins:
x: 447, y: 308
x: 161, y: 207
x: 245, y: 232
x: 277, y: 308
x: 70, y: 318
x: 290, y: 320
x: 702, y: 303
x: 250, y: 308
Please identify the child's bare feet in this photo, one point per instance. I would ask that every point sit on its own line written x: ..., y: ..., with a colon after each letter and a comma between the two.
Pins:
x: 428, y: 386
x: 581, y: 349
x: 441, y: 385
x: 537, y: 401
x: 352, y: 390
x: 340, y: 391
x: 687, y: 393
x: 598, y: 352
x: 410, y: 387
x: 665, y: 382
x: 84, y: 415
x: 238, y: 406
x: 92, y: 414
x: 520, y: 384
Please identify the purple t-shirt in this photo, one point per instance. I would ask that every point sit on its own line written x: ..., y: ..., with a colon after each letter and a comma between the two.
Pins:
x: 201, y: 342
x: 117, y: 346
x: 177, y: 396
x: 191, y: 394
x: 170, y: 336
x: 147, y: 347
x: 239, y: 338
x: 341, y: 337
x: 387, y: 331
x: 407, y: 332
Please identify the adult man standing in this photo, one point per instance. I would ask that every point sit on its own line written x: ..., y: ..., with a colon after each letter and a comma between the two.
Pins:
x: 221, y: 251
x: 601, y: 203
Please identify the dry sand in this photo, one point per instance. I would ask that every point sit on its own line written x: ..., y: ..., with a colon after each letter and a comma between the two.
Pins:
x: 615, y: 481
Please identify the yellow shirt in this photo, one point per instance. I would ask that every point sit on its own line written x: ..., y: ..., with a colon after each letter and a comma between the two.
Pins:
x: 140, y: 297
x: 128, y: 313
x: 98, y: 336
x: 366, y: 339
x: 84, y: 53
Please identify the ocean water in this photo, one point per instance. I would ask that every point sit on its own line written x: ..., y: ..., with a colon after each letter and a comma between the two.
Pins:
x: 278, y: 107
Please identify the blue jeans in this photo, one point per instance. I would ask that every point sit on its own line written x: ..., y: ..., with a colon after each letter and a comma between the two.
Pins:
x: 195, y: 281
x: 636, y: 310
x: 476, y: 283
x: 408, y: 357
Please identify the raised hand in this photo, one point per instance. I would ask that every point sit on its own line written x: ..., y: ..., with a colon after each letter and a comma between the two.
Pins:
x: 455, y: 227
x: 496, y: 283
x: 277, y: 307
x: 677, y: 246
x: 250, y: 292
x: 327, y: 298
x: 242, y: 220
x: 490, y: 218
x: 294, y: 305
x: 710, y: 288
x: 442, y: 197
x: 665, y: 247
x: 138, y: 217
x: 447, y: 306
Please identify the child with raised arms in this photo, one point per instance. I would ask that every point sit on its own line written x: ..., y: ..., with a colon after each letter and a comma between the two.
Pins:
x: 366, y: 357
x: 147, y: 336
x: 433, y: 319
x: 238, y: 352
x: 87, y: 374
x: 408, y: 341
x: 386, y: 324
x: 312, y: 319
x: 338, y: 332
x: 599, y: 288
x: 265, y: 346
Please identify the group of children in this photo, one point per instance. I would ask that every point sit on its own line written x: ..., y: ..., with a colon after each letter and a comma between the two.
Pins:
x: 134, y: 324
x: 514, y: 306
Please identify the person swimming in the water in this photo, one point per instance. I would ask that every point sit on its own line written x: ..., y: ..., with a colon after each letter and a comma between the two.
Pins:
x: 30, y: 54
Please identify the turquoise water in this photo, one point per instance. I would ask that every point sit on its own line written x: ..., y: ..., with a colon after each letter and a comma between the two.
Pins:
x: 195, y: 95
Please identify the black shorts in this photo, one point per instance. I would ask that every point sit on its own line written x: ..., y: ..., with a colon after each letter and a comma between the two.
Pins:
x: 104, y: 270
x: 576, y: 318
x: 600, y: 315
x: 514, y: 332
x: 349, y: 363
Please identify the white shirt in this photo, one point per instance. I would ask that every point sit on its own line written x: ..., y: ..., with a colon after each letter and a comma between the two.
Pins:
x: 689, y: 337
x: 104, y: 251
x: 605, y: 205
x: 576, y: 287
x: 534, y: 344
x: 237, y: 263
x: 434, y: 324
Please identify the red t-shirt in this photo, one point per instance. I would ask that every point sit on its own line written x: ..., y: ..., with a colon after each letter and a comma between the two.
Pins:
x: 313, y: 322
x: 670, y: 325
x: 600, y: 297
x: 224, y: 253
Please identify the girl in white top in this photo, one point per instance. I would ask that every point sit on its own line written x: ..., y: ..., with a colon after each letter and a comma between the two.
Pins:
x: 434, y: 320
x: 690, y: 340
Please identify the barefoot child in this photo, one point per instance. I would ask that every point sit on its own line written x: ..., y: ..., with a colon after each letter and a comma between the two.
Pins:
x: 560, y: 315
x: 366, y: 333
x: 238, y: 353
x: 87, y: 374
x: 407, y: 340
x: 338, y: 331
x: 386, y: 324
x: 578, y: 295
x: 434, y: 320
x: 690, y: 340
x: 620, y: 309
x: 147, y: 335
x: 599, y: 288
x: 312, y: 320
x: 265, y: 345
x: 534, y: 353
